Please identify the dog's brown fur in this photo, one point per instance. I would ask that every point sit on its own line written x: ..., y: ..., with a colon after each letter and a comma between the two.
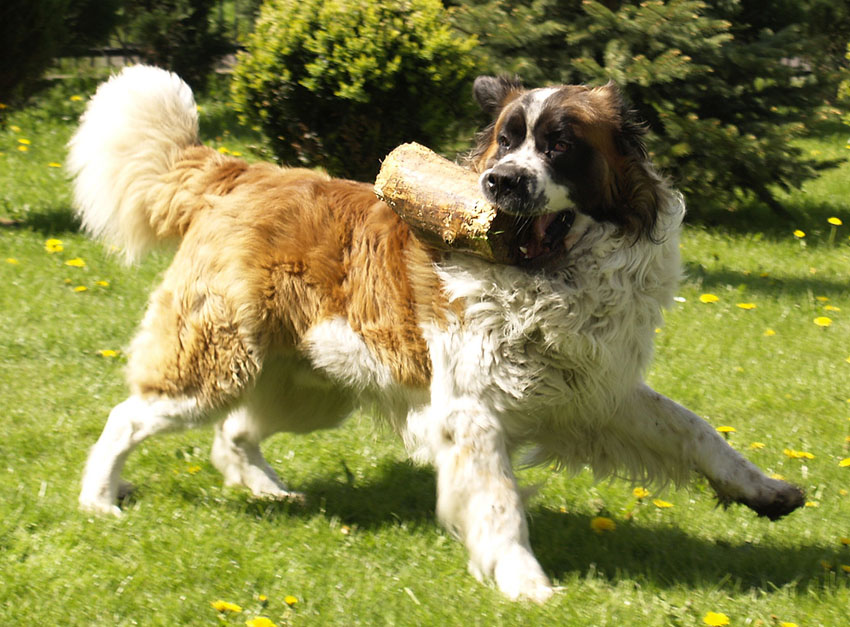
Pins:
x: 272, y: 252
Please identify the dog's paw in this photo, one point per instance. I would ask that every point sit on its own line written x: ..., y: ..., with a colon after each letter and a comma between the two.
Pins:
x: 784, y: 499
x: 99, y: 507
x: 520, y: 577
x: 284, y: 496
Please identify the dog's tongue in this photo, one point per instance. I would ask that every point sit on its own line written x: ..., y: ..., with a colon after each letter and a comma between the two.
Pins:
x: 541, y: 224
x: 537, y: 243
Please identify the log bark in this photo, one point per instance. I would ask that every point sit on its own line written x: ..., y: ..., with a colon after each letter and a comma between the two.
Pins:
x: 443, y: 204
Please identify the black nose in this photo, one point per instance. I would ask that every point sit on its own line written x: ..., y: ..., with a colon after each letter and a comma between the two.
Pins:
x: 500, y: 184
x: 508, y: 186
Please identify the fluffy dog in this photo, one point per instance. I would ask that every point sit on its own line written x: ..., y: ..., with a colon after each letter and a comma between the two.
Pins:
x: 294, y: 298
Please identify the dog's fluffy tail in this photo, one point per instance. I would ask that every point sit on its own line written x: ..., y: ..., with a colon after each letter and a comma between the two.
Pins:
x: 129, y: 138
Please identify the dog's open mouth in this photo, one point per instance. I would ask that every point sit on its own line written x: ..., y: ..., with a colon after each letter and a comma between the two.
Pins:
x: 541, y: 238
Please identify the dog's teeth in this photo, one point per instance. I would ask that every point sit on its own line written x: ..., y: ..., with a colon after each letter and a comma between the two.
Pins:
x: 523, y: 250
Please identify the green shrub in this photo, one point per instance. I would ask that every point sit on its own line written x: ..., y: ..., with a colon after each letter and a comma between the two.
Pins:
x: 724, y: 86
x: 340, y: 83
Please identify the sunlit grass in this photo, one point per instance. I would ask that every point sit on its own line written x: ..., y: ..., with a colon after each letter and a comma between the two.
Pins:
x: 366, y: 548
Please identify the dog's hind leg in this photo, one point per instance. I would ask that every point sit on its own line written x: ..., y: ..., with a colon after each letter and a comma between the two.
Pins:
x: 675, y: 436
x: 129, y: 423
x: 236, y: 453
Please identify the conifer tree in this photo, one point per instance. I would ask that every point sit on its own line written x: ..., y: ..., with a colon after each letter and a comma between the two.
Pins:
x: 723, y: 85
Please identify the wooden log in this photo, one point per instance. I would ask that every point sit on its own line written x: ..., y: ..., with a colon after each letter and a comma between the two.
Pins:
x: 443, y: 204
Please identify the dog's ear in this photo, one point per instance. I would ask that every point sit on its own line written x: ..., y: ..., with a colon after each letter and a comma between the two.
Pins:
x: 494, y: 92
x: 640, y: 192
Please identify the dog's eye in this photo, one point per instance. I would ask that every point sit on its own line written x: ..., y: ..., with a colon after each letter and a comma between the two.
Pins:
x: 560, y: 146
x: 503, y: 141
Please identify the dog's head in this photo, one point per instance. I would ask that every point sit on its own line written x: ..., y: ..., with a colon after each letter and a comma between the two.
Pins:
x: 559, y: 158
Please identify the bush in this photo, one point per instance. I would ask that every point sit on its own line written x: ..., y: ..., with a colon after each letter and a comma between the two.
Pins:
x: 340, y: 83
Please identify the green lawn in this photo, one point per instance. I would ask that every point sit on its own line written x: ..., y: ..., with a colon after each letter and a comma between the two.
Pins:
x: 365, y: 548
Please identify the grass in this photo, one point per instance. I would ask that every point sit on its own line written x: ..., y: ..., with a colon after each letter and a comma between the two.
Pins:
x: 365, y: 548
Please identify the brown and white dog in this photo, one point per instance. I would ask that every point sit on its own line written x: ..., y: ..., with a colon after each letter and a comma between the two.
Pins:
x: 294, y: 298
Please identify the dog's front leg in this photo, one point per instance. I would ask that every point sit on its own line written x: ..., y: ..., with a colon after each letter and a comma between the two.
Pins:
x: 478, y: 499
x: 677, y: 434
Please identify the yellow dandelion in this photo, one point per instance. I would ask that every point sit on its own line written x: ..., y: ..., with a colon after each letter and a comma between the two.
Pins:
x: 12, y: 261
x: 822, y: 299
x: 54, y: 164
x: 640, y: 493
x: 811, y: 504
x: 15, y: 129
x: 225, y: 606
x: 193, y: 470
x: 24, y: 142
x: 3, y: 106
x: 799, y: 234
x: 835, y: 221
x: 823, y: 321
x: 786, y: 624
x: 76, y: 262
x: 108, y: 353
x: 81, y: 288
x: 223, y: 150
x: 102, y: 283
x: 777, y: 476
x: 726, y: 429
x: 75, y: 98
x: 769, y: 332
x: 844, y: 463
x: 236, y: 153
x: 260, y: 621
x: 601, y: 524
x: 708, y: 298
x: 53, y: 246
x: 661, y: 504
x: 845, y: 568
x: 844, y: 541
x: 290, y: 600
x: 831, y: 308
x: 746, y: 306
x: 262, y: 598
x: 756, y: 445
x: 715, y: 619
x: 797, y: 454
x: 23, y: 148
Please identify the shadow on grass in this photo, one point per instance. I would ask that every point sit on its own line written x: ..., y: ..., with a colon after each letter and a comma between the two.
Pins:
x: 564, y: 543
x: 753, y: 283
x: 47, y: 221
x: 402, y: 492
x: 752, y: 217
x: 669, y: 557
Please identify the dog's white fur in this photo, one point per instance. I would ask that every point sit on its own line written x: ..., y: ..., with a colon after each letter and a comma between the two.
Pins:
x: 554, y: 360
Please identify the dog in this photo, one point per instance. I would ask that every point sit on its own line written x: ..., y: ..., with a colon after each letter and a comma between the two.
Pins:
x: 294, y: 298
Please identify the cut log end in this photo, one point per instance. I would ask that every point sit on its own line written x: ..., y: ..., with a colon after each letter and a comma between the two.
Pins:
x: 443, y: 204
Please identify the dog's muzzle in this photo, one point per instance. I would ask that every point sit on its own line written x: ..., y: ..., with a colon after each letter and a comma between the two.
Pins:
x: 509, y: 187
